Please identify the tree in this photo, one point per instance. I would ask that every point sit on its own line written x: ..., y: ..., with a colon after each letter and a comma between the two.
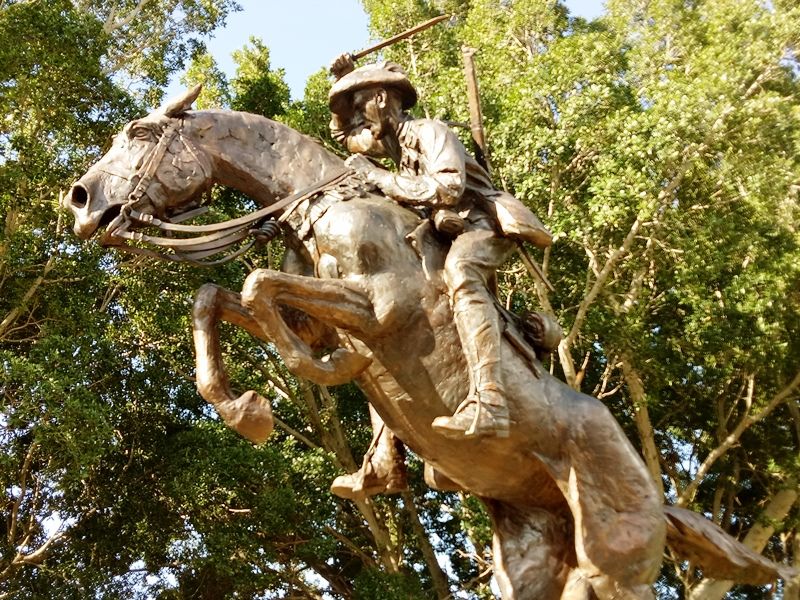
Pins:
x: 256, y: 87
x: 204, y: 70
x: 659, y: 144
x: 148, y: 41
x: 64, y: 374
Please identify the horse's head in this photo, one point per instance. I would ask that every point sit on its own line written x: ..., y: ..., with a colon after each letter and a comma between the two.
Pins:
x: 151, y: 167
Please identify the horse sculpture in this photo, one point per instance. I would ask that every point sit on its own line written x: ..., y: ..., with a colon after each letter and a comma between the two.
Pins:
x: 574, y: 512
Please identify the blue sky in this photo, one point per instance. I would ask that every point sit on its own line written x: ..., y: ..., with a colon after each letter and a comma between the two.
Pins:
x: 304, y: 35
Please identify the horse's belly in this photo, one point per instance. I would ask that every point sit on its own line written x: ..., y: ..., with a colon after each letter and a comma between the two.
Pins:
x: 421, y: 375
x: 419, y: 371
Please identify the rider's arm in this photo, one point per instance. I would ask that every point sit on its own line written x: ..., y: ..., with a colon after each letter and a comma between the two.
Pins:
x: 441, y: 176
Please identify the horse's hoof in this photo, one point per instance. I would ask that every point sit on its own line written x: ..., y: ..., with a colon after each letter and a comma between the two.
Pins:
x: 250, y: 415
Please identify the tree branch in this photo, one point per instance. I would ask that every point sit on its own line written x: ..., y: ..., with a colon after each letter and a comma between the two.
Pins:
x: 744, y: 424
x: 23, y: 484
x: 643, y: 424
x: 112, y: 24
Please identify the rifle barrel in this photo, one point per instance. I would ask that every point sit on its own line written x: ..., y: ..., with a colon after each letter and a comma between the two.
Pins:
x: 400, y: 36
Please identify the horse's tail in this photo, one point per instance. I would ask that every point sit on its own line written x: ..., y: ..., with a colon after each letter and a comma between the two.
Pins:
x: 693, y: 537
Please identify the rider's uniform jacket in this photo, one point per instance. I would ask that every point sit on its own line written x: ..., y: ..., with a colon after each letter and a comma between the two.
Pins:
x: 436, y: 171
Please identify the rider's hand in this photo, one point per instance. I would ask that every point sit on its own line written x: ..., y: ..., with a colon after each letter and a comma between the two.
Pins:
x: 342, y: 65
x: 368, y: 171
x: 360, y: 164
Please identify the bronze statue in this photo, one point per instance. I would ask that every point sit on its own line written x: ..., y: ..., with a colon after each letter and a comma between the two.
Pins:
x: 437, y: 174
x: 574, y: 512
x: 440, y: 179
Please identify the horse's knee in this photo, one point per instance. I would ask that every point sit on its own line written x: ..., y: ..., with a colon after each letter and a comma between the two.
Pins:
x: 205, y: 300
x: 258, y: 284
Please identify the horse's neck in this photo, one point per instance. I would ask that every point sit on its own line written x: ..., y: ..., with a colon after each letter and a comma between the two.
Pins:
x: 262, y: 158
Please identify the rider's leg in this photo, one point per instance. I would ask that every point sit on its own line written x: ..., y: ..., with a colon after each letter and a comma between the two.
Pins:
x: 383, y: 470
x: 471, y: 262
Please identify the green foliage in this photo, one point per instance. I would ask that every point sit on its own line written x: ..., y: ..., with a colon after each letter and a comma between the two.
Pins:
x: 311, y: 115
x: 203, y: 69
x: 148, y: 41
x: 373, y: 584
x: 256, y: 87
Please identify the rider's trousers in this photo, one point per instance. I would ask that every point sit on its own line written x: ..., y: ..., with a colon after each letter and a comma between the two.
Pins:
x: 469, y: 272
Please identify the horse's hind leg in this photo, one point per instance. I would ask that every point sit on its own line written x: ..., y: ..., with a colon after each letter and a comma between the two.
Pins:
x: 618, y: 512
x: 533, y: 554
x: 249, y: 414
x: 333, y: 302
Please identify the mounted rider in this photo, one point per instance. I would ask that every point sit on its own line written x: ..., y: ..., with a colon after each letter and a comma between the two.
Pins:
x: 435, y: 172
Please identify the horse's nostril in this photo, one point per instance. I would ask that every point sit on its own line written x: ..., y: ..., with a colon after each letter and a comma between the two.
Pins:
x: 78, y: 197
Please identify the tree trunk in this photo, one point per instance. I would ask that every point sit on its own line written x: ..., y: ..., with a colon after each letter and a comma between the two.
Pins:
x: 643, y: 424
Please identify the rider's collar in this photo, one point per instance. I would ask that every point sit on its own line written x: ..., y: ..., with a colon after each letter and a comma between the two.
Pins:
x: 402, y: 127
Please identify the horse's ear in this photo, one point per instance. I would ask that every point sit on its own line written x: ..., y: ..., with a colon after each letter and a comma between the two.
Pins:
x: 178, y: 106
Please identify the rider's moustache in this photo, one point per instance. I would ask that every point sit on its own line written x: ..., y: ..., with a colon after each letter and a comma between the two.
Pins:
x: 361, y: 142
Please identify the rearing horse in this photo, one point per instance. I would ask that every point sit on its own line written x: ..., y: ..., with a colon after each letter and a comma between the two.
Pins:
x: 574, y: 511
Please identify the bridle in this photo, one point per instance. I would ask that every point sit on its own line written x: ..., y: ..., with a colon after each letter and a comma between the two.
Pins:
x: 153, y: 160
x: 204, y: 242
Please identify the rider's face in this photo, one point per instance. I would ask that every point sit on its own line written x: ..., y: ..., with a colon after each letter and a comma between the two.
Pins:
x: 373, y: 118
x: 368, y: 105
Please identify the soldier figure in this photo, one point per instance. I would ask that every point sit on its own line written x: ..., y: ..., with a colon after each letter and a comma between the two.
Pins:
x: 368, y: 107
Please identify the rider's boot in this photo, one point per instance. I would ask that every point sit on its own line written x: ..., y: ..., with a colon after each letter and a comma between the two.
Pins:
x: 369, y: 481
x: 484, y: 412
x: 383, y: 470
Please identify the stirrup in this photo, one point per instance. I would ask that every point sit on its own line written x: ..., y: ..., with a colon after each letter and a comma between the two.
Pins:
x: 450, y: 426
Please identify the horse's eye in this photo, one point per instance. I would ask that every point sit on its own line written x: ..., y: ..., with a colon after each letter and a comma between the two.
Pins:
x: 141, y: 133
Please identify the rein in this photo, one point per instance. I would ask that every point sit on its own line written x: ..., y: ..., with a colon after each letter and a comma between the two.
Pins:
x: 204, y: 241
x: 153, y: 160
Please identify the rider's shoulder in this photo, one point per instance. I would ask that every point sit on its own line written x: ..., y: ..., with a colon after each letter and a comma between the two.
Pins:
x: 430, y: 124
x: 425, y: 128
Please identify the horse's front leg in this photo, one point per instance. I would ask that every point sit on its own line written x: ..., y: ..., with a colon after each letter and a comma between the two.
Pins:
x: 249, y: 414
x: 333, y: 302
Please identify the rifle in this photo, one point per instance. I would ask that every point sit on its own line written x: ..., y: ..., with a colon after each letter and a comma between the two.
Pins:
x: 356, y: 54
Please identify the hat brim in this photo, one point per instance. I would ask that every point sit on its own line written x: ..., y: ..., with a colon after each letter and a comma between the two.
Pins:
x: 343, y: 90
